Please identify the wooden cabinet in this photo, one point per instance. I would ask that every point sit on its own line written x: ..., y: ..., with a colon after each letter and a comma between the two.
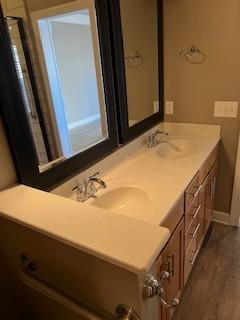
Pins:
x: 198, y: 210
x: 188, y: 223
x: 171, y: 260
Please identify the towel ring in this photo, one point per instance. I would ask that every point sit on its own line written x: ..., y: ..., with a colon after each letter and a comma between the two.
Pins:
x: 134, y: 60
x: 191, y: 52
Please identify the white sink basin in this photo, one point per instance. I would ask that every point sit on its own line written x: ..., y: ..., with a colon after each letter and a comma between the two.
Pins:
x: 122, y: 199
x: 175, y: 148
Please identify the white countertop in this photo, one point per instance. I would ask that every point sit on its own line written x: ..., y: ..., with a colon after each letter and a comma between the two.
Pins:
x: 133, y: 240
x: 125, y: 242
x: 164, y: 180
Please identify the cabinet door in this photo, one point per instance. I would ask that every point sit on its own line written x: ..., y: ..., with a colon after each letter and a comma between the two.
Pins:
x: 172, y: 261
x: 210, y: 195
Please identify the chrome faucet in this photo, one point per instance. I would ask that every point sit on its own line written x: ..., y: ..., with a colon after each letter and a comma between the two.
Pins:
x: 88, y: 188
x: 152, y: 140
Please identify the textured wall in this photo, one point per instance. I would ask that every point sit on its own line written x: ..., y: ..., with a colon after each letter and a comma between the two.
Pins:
x: 78, y: 78
x: 214, y: 27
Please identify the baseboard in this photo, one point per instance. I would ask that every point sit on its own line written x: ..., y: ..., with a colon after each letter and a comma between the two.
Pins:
x: 83, y: 122
x: 221, y: 217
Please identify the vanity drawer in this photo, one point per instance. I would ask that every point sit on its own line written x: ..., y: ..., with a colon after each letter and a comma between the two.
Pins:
x: 192, y: 192
x: 192, y: 212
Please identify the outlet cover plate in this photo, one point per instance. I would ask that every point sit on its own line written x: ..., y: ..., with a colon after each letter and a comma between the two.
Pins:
x: 169, y: 106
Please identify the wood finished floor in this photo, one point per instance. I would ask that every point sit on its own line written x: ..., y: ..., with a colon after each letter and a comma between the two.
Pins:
x: 213, y: 289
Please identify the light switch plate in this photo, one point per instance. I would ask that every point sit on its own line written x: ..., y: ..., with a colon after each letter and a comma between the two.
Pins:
x: 226, y: 109
x: 169, y: 106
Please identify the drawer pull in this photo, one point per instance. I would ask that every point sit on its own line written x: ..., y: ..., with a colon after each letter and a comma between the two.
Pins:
x: 168, y: 266
x: 194, y: 258
x: 195, y: 194
x: 196, y: 231
x: 172, y: 270
x: 197, y: 211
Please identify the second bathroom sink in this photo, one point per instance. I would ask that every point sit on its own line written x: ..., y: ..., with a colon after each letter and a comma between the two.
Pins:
x: 176, y: 148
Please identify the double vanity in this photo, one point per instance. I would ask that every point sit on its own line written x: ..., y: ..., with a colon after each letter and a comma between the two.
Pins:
x: 113, y: 203
x: 146, y: 217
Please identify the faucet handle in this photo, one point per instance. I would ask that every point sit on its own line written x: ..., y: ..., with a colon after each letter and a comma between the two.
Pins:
x: 94, y: 175
x: 80, y: 193
x: 149, y: 141
x: 78, y: 187
x: 75, y: 188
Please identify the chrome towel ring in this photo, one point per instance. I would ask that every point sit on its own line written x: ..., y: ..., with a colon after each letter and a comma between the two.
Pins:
x: 135, y: 60
x: 190, y: 54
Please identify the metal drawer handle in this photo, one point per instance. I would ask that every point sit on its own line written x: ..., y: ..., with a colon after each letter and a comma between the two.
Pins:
x: 28, y: 277
x: 194, y: 258
x: 197, y: 211
x: 175, y: 302
x: 172, y: 269
x: 168, y: 266
x: 195, y: 194
x: 196, y: 231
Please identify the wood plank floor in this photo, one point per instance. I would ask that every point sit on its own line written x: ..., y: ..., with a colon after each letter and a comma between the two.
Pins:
x: 213, y: 289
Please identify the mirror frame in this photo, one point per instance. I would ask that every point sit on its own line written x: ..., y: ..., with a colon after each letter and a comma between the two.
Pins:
x: 127, y: 133
x: 16, y: 122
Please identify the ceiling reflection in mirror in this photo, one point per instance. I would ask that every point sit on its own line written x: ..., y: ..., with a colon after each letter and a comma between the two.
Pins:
x: 56, y: 51
x: 139, y: 20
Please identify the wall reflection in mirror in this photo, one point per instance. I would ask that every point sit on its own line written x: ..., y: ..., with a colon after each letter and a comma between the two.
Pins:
x: 140, y: 40
x: 56, y: 52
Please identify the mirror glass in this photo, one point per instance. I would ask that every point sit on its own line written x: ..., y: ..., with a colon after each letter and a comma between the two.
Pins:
x: 139, y: 20
x: 56, y: 51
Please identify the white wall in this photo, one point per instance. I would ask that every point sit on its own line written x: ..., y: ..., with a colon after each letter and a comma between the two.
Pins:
x: 75, y: 59
x: 7, y: 171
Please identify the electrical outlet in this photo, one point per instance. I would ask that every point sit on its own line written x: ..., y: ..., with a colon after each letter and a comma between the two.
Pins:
x: 169, y: 107
x: 226, y: 109
x: 156, y: 107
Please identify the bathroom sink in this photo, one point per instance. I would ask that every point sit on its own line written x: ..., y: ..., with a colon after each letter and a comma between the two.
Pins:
x: 122, y: 199
x: 176, y: 148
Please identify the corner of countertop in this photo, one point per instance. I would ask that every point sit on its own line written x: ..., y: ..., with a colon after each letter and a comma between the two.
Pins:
x: 123, y: 241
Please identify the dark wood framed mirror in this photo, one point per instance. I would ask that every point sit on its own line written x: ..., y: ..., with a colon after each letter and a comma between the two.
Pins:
x: 137, y: 40
x: 38, y: 53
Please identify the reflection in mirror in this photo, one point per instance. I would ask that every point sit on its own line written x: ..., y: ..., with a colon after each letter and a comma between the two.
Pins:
x: 56, y: 51
x: 139, y: 20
